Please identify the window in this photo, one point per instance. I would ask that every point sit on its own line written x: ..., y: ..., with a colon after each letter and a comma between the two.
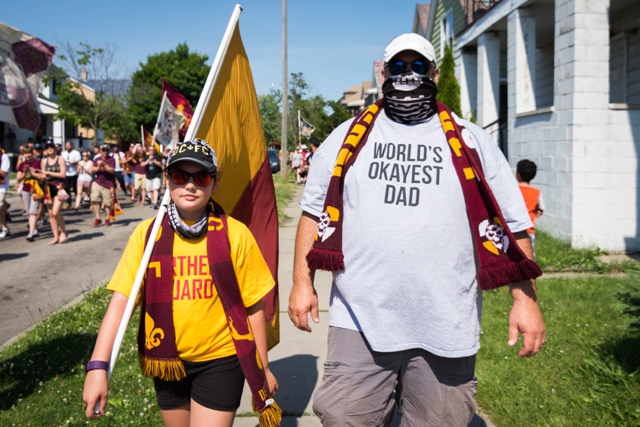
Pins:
x: 446, y: 32
x: 618, y: 70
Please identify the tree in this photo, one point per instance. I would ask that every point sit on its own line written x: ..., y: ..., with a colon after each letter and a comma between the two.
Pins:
x: 271, y: 115
x: 324, y: 115
x: 185, y: 70
x: 90, y: 88
x: 448, y: 86
x: 339, y: 115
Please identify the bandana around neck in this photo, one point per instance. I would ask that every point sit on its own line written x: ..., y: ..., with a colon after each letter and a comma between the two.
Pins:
x: 156, y: 335
x: 409, y: 99
x: 186, y: 231
x: 500, y: 259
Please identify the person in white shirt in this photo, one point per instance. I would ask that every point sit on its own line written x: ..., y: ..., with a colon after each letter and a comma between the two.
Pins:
x: 5, y: 166
x: 402, y: 222
x: 71, y: 158
x: 120, y: 159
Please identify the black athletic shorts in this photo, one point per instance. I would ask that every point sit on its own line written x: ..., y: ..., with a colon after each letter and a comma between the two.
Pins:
x: 215, y: 384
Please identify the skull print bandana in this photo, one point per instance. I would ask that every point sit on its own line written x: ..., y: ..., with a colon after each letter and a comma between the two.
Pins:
x: 409, y: 99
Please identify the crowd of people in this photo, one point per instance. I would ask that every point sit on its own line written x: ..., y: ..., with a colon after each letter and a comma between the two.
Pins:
x: 52, y: 179
x: 300, y: 159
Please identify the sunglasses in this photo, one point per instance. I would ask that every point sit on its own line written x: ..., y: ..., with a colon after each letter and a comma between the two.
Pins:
x: 398, y: 67
x: 200, y: 178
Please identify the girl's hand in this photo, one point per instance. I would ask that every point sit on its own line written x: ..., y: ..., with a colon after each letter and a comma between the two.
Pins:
x: 96, y: 392
x: 272, y: 382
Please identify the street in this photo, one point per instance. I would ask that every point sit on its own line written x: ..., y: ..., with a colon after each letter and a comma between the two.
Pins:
x: 37, y: 279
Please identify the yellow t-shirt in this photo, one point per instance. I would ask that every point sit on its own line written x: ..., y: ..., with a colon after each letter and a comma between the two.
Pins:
x: 198, y: 316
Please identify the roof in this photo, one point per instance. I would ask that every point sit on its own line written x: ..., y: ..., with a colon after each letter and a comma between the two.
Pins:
x: 421, y: 19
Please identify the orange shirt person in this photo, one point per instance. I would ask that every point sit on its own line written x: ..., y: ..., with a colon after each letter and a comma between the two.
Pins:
x: 525, y: 172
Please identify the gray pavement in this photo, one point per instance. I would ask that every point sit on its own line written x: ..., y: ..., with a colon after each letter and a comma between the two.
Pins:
x: 297, y: 361
x: 36, y: 279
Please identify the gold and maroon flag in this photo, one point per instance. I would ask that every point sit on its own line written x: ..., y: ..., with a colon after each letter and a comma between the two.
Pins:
x: 182, y: 106
x: 24, y: 60
x: 228, y: 118
x: 147, y: 138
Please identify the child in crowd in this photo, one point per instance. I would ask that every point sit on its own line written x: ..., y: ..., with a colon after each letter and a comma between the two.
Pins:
x: 202, y: 335
x: 525, y: 172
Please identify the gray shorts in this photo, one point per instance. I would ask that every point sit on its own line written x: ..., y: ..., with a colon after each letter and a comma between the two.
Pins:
x: 361, y: 387
x: 30, y: 205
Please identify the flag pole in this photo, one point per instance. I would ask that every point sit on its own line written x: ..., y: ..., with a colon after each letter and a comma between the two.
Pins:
x: 212, y: 78
x: 142, y: 135
x: 299, y: 130
x: 191, y: 131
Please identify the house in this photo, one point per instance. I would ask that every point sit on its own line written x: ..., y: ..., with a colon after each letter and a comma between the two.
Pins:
x: 562, y: 78
x: 13, y: 137
x: 354, y: 97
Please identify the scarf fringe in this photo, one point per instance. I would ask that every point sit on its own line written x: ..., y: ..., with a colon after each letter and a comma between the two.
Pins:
x: 165, y: 369
x: 505, y: 273
x: 322, y: 259
x: 271, y: 415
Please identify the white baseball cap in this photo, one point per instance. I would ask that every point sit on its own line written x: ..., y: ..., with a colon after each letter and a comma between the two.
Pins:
x: 410, y: 41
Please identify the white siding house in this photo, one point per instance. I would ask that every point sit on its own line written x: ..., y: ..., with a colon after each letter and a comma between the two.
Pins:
x: 564, y: 75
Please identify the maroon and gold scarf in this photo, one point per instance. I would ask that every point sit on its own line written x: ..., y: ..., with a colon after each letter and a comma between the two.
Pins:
x: 156, y: 335
x: 500, y: 259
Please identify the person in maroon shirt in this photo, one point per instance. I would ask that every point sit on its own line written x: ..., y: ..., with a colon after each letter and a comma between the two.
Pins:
x: 29, y: 170
x: 103, y: 184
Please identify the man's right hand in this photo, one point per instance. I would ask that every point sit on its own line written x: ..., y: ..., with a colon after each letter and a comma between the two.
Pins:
x: 303, y: 301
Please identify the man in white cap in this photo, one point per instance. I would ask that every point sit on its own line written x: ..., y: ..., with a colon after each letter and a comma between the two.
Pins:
x: 427, y: 216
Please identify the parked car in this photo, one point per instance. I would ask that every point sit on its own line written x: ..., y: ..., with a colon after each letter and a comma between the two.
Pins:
x: 274, y: 160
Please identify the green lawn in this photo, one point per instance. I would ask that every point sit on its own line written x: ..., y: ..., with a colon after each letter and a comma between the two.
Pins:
x: 586, y: 375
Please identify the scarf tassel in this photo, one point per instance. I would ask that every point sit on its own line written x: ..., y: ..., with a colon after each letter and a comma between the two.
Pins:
x: 165, y: 369
x: 271, y: 414
x: 505, y: 273
x: 322, y: 259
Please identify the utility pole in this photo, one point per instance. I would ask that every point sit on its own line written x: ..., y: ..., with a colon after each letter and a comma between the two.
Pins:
x: 285, y: 95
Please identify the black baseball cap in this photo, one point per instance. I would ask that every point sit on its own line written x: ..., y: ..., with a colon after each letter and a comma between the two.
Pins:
x: 197, y: 151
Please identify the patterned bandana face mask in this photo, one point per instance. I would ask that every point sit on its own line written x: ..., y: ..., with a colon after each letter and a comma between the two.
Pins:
x: 409, y: 98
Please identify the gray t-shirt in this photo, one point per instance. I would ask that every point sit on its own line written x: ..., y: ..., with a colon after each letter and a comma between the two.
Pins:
x: 410, y: 276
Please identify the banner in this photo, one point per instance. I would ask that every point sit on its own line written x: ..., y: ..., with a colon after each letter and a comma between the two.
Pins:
x: 306, y: 129
x: 182, y: 106
x: 24, y: 60
x: 168, y: 124
x: 228, y: 118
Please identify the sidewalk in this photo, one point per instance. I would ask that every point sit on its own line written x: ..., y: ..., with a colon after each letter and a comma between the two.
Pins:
x: 297, y: 361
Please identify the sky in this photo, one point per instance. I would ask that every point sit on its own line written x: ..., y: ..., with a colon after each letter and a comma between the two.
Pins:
x: 332, y: 42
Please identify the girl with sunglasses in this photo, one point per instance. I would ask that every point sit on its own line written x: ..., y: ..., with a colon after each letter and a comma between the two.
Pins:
x: 193, y: 338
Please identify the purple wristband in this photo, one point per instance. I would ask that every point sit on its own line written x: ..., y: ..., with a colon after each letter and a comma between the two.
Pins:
x: 97, y: 364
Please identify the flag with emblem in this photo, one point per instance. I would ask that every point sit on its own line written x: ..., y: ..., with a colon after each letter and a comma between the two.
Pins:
x: 24, y: 60
x: 182, y: 106
x: 306, y: 129
x: 228, y: 118
x: 168, y: 124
